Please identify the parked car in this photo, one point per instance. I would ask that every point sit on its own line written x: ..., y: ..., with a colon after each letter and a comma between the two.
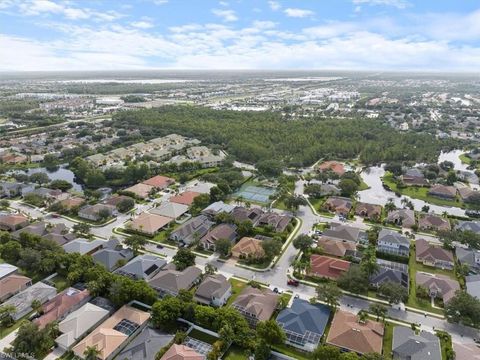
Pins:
x: 159, y: 246
x: 293, y: 282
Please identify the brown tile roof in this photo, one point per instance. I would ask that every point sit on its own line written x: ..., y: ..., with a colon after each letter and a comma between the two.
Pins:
x: 72, y: 202
x: 12, y: 284
x: 116, y: 199
x: 149, y: 223
x: 181, y: 352
x: 159, y: 181
x: 185, y: 198
x: 140, y: 190
x: 61, y: 305
x: 369, y: 210
x: 334, y: 166
x: 335, y: 247
x: 338, y: 204
x: 442, y: 190
x: 222, y: 231
x: 427, y: 221
x: 248, y: 246
x: 105, y: 338
x: 324, y: 266
x: 13, y: 220
x: 441, y: 285
x: 348, y: 333
x: 425, y: 250
x: 261, y: 303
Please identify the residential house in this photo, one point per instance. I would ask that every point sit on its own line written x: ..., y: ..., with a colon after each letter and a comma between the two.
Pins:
x: 350, y: 334
x: 342, y: 232
x: 214, y: 290
x: 433, y: 255
x: 149, y: 224
x: 338, y: 205
x: 111, y: 335
x: 73, y: 202
x: 57, y: 233
x: 338, y: 248
x: 414, y: 177
x: 304, y: 323
x: 216, y: 208
x: 78, y: 323
x: 185, y: 198
x: 141, y: 191
x: 159, y: 182
x: 7, y: 269
x: 241, y: 214
x: 170, y: 210
x: 192, y: 230
x: 256, y: 304
x: 13, y: 222
x: 94, y: 212
x: 169, y: 281
x: 438, y: 286
x: 390, y: 271
x: 473, y: 226
x: 61, y: 305
x: 410, y: 345
x: 50, y: 195
x: 23, y: 300
x: 433, y: 222
x: 472, y: 283
x: 402, y: 217
x: 329, y: 189
x: 443, y: 191
x: 248, y: 248
x: 276, y: 221
x: 12, y: 284
x: 146, y: 345
x: 181, y: 352
x: 111, y: 255
x: 467, y: 194
x: 144, y: 267
x: 84, y: 246
x: 327, y: 267
x: 222, y: 231
x: 392, y: 242
x: 369, y: 211
x: 116, y: 199
x: 470, y: 257
x: 334, y: 166
x: 13, y: 189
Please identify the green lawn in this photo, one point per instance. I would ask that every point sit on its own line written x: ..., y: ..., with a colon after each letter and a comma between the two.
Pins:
x: 387, y: 341
x: 445, y: 344
x: 363, y: 186
x: 418, y: 193
x: 206, y: 338
x: 465, y: 159
x: 236, y: 353
x: 291, y: 351
x: 413, y: 300
x: 60, y: 282
x: 237, y: 288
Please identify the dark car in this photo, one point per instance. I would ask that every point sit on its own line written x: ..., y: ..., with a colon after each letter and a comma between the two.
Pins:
x: 292, y: 282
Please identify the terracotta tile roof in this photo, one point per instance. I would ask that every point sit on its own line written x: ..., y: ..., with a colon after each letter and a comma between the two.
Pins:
x: 159, y: 181
x: 72, y: 202
x: 149, y: 223
x: 105, y: 338
x: 185, y: 198
x: 324, y: 266
x: 181, y: 352
x: 335, y: 247
x: 13, y: 219
x: 348, y: 333
x: 334, y: 166
x: 140, y: 190
x: 12, y: 284
x: 60, y: 305
x: 248, y: 246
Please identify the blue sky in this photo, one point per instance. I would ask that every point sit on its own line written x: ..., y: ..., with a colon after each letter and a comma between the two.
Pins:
x: 433, y: 35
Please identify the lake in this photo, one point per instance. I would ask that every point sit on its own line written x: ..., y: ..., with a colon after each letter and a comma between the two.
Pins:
x: 61, y: 173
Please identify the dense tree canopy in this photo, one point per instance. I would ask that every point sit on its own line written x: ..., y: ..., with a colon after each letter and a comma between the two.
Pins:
x: 257, y: 136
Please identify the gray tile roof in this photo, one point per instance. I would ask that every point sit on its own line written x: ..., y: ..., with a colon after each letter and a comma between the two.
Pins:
x: 393, y: 237
x: 110, y: 257
x: 473, y: 285
x: 195, y: 227
x: 303, y: 317
x: 146, y: 345
x: 142, y: 267
x: 390, y: 271
x: 409, y: 346
x: 171, y: 281
x: 212, y: 286
x: 468, y: 256
x: 469, y: 226
x: 23, y: 300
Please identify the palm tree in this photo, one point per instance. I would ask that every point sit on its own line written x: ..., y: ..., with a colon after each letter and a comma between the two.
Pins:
x: 91, y: 353
x: 37, y: 306
x: 362, y: 316
x: 378, y: 310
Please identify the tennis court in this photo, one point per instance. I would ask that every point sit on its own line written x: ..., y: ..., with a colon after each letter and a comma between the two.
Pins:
x: 255, y: 193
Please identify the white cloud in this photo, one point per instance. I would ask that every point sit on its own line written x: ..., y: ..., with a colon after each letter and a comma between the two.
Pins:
x: 160, y: 2
x: 143, y: 24
x: 66, y: 9
x: 274, y: 5
x: 223, y: 3
x: 399, y: 4
x: 298, y: 13
x: 226, y: 15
